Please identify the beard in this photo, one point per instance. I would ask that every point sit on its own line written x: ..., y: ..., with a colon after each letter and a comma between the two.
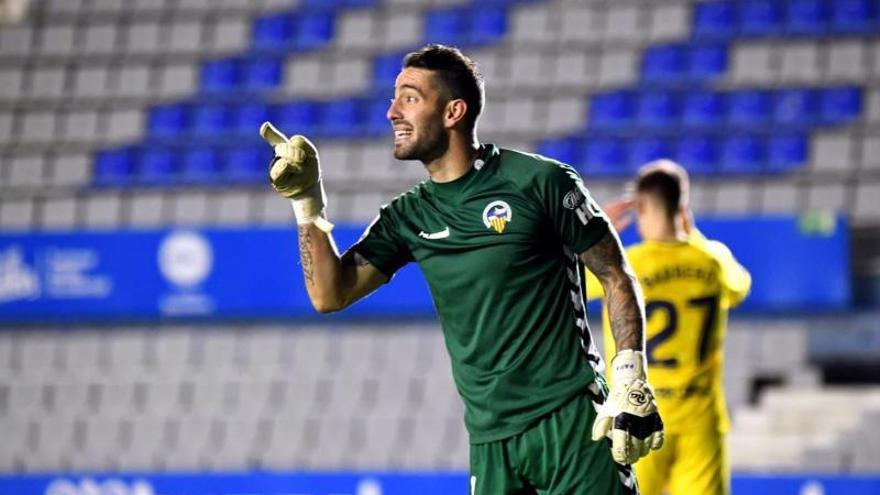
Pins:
x: 429, y: 145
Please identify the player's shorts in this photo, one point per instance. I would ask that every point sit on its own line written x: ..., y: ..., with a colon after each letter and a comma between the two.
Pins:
x: 693, y: 463
x: 556, y: 456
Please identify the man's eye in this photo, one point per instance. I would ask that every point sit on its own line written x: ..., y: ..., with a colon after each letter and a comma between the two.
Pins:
x: 410, y: 99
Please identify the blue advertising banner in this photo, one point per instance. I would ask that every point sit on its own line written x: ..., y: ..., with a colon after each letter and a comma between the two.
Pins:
x: 253, y: 273
x: 343, y: 483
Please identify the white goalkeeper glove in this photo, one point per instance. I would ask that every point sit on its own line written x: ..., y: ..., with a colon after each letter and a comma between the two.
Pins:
x: 630, y: 412
x: 295, y: 173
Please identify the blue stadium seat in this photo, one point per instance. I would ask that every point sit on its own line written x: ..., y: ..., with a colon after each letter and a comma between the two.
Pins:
x: 376, y: 120
x: 646, y: 149
x: 221, y: 76
x: 658, y: 109
x: 340, y: 118
x: 246, y: 163
x: 786, y: 152
x: 707, y: 61
x: 854, y: 16
x: 314, y: 29
x: 605, y: 156
x: 807, y: 17
x: 566, y: 150
x: 248, y: 117
x: 714, y: 20
x: 796, y: 107
x: 297, y: 117
x: 168, y: 121
x: 114, y: 167
x: 699, y: 154
x: 664, y: 63
x: 761, y: 18
x: 274, y: 31
x: 157, y: 166
x: 840, y: 105
x: 448, y: 26
x: 209, y: 119
x: 704, y: 110
x: 743, y: 154
x: 487, y: 24
x: 200, y: 165
x: 261, y: 73
x: 749, y: 108
x: 385, y: 70
x: 611, y: 110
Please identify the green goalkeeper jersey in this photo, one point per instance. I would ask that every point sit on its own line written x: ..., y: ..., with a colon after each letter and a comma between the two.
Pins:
x: 498, y: 248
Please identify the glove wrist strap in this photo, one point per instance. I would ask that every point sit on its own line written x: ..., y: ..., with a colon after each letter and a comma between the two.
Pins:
x: 308, y: 208
x: 628, y: 365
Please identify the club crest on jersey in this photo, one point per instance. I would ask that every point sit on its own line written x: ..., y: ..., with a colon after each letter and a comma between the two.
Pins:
x: 497, y: 215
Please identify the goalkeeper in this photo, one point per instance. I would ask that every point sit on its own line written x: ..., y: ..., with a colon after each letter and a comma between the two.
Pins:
x: 690, y: 283
x: 500, y: 237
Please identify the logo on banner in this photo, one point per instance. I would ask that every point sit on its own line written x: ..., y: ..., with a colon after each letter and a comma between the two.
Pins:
x: 185, y: 258
x: 17, y: 279
x: 497, y: 215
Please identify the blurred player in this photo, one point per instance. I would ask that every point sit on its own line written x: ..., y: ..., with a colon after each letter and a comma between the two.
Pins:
x: 500, y: 237
x: 689, y: 283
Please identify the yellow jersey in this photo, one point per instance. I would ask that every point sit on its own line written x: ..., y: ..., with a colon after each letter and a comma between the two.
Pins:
x: 689, y: 286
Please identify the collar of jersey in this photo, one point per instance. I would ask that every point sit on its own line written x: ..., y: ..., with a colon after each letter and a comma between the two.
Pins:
x: 452, y: 190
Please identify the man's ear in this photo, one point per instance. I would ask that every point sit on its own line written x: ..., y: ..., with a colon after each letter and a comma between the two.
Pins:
x: 454, y: 113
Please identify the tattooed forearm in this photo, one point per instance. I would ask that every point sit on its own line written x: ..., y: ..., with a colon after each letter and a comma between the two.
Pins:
x: 622, y: 292
x: 305, y: 253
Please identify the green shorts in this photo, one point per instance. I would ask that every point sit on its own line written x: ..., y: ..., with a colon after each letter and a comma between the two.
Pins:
x: 555, y: 456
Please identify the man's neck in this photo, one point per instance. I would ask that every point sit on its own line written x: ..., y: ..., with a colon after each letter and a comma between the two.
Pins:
x: 669, y: 232
x: 456, y: 162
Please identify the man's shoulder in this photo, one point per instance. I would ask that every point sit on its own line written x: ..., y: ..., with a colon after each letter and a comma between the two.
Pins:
x: 523, y: 167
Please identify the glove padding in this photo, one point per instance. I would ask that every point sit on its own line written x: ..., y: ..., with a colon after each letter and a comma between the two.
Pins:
x: 295, y: 173
x: 630, y: 412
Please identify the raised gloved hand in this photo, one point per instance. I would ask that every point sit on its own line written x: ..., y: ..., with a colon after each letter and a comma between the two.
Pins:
x: 295, y: 173
x: 630, y: 412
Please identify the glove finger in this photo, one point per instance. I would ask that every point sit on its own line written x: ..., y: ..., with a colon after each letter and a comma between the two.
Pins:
x: 620, y: 448
x: 601, y: 427
x: 272, y: 135
x: 644, y: 447
x: 282, y: 169
x: 657, y: 440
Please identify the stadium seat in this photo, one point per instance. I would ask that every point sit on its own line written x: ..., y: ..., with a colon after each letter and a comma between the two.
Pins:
x: 840, y: 105
x: 488, y: 24
x: 169, y: 120
x: 714, y: 19
x: 314, y: 29
x: 605, y: 157
x: 786, y: 152
x: 297, y: 117
x: 749, y: 108
x: 704, y: 109
x: 807, y: 17
x: 385, y: 70
x: 743, y: 154
x: 247, y: 163
x: 657, y: 109
x: 566, y: 150
x: 248, y: 117
x: 261, y: 73
x: 707, y: 61
x: 796, y: 107
x: 612, y: 110
x: 221, y: 76
x: 341, y: 118
x: 209, y: 119
x: 447, y: 26
x: 200, y: 165
x: 855, y: 16
x: 664, y: 63
x: 271, y: 32
x: 646, y: 149
x: 699, y: 154
x: 156, y: 166
x: 761, y: 18
x: 114, y: 167
x: 376, y: 121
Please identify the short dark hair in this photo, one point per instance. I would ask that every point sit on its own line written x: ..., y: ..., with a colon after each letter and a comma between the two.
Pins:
x: 667, y: 181
x: 458, y: 75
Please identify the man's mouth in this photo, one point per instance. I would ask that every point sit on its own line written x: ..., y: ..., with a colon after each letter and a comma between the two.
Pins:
x: 401, y: 135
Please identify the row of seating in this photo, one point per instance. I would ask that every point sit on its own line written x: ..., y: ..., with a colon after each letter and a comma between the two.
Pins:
x: 746, y: 18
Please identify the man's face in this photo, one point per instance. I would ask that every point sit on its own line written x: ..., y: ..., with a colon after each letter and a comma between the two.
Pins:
x: 416, y: 114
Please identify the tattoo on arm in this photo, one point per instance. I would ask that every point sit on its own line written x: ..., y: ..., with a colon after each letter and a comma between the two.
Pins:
x: 305, y: 250
x: 622, y: 292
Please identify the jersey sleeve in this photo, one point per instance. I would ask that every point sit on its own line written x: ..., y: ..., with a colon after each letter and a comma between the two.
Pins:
x: 382, y: 246
x: 571, y: 210
x: 736, y: 280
